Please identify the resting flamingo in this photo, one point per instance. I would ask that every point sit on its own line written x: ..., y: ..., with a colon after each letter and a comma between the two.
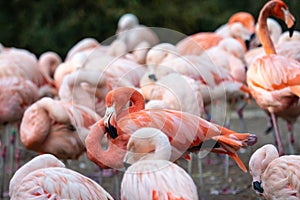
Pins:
x: 273, y: 80
x: 240, y: 26
x: 125, y: 113
x: 45, y: 177
x: 151, y: 175
x: 56, y: 127
x: 275, y: 177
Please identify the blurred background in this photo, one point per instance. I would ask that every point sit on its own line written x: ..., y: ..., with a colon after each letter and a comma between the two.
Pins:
x: 45, y: 25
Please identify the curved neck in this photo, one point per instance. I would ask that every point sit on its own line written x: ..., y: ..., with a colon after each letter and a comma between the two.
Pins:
x: 111, y: 157
x: 138, y: 102
x: 263, y: 31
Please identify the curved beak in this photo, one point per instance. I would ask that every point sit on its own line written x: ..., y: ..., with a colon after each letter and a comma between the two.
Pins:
x: 108, y: 113
x: 290, y: 21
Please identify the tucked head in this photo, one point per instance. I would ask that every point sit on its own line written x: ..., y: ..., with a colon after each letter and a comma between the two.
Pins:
x: 259, y: 161
x: 147, y: 144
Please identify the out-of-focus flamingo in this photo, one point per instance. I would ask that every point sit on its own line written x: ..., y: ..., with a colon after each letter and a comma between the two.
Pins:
x: 273, y: 79
x: 215, y: 82
x: 48, y: 62
x: 151, y: 175
x: 246, y: 19
x: 85, y: 87
x: 45, y: 177
x: 23, y: 64
x: 118, y: 71
x: 16, y: 96
x: 275, y: 177
x: 125, y: 114
x: 138, y: 38
x: 56, y: 127
x: 240, y: 26
x: 176, y: 92
x: 86, y: 45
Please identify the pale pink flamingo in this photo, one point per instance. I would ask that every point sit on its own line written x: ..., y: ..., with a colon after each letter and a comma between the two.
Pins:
x: 56, y: 127
x: 273, y: 79
x: 45, y: 177
x: 275, y: 177
x: 151, y: 175
x: 85, y: 87
x: 125, y: 113
x: 48, y: 62
x: 86, y: 45
x: 137, y: 37
x: 118, y: 71
x: 176, y: 92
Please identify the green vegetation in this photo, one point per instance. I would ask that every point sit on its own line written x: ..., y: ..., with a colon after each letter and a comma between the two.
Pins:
x: 57, y: 25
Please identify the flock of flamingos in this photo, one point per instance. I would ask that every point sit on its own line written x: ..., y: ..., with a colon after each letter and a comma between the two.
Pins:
x: 140, y: 104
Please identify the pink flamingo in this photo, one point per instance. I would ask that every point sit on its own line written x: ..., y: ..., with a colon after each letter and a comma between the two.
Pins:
x: 275, y: 177
x: 151, y: 175
x: 273, y: 79
x: 56, y: 127
x: 125, y: 113
x: 45, y: 177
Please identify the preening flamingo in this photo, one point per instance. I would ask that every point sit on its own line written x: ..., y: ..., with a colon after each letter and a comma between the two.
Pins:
x: 56, y: 127
x: 275, y: 177
x: 125, y: 114
x: 151, y: 175
x: 45, y: 177
x: 273, y: 80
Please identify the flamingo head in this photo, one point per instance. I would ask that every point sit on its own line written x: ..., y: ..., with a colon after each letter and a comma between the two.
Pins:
x: 281, y: 11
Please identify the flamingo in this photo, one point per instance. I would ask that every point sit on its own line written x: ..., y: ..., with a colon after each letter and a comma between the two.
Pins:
x: 177, y: 92
x: 125, y: 113
x: 86, y: 88
x: 240, y: 26
x: 275, y: 177
x: 56, y: 127
x: 151, y: 175
x: 45, y: 177
x: 273, y: 79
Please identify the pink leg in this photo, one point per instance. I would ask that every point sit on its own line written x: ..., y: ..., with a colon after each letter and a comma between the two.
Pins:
x: 277, y: 134
x: 290, y: 128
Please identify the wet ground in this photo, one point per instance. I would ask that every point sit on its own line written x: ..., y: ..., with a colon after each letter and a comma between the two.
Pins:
x: 216, y: 185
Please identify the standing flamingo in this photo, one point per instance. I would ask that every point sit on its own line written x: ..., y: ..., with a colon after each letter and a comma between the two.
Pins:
x: 151, y: 175
x: 45, y: 177
x: 125, y: 113
x: 275, y: 177
x: 273, y: 80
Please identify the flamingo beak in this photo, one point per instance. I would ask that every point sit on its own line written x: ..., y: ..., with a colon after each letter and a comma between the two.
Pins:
x: 108, y: 113
x: 257, y: 187
x: 152, y: 77
x: 290, y: 21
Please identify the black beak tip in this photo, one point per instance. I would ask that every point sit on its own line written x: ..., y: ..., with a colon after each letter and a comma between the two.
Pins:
x: 152, y: 77
x: 257, y: 187
x: 291, y: 29
x: 126, y: 165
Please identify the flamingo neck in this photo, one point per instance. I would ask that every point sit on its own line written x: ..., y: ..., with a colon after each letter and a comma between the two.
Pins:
x: 263, y: 31
x: 137, y: 103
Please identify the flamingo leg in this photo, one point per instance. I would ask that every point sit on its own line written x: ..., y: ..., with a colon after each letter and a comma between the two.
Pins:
x: 290, y: 127
x: 240, y: 108
x: 201, y: 181
x: 277, y: 134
